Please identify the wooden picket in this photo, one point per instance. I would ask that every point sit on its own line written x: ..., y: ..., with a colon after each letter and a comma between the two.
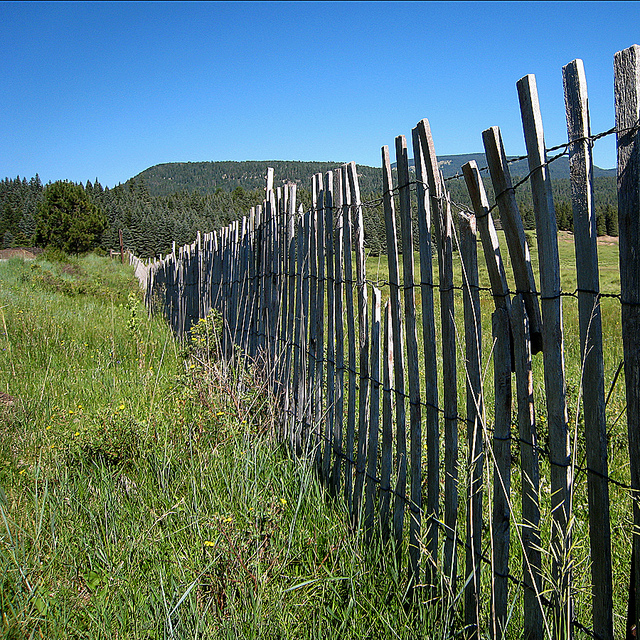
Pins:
x: 284, y: 282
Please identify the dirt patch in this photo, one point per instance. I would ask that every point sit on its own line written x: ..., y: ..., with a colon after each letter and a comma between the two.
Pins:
x: 25, y: 254
x: 72, y: 270
x: 567, y: 236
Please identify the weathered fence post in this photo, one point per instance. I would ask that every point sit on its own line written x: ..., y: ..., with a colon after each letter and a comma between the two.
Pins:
x: 593, y: 400
x: 501, y: 516
x: 627, y: 103
x: 413, y: 370
x: 530, y: 472
x: 374, y: 417
x: 290, y: 389
x: 430, y: 359
x: 553, y: 352
x: 441, y: 211
x: 320, y: 360
x: 488, y: 236
x: 387, y: 426
x: 331, y: 367
x: 513, y: 231
x: 363, y: 339
x: 339, y: 340
x: 398, y: 353
x: 475, y: 420
x: 351, y: 337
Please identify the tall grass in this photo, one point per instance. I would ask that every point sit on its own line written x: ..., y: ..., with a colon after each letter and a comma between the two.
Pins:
x: 142, y: 495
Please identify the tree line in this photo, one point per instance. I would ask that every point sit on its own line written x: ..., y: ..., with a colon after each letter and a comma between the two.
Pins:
x: 33, y: 214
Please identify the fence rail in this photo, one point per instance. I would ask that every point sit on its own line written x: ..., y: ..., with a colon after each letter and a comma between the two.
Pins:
x: 357, y: 384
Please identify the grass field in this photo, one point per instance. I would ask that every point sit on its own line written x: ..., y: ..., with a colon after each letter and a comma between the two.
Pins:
x: 143, y: 495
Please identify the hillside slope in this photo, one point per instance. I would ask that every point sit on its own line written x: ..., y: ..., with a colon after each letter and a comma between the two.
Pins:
x: 207, y: 177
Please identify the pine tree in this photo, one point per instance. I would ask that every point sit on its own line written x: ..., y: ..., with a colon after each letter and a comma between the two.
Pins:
x: 67, y: 219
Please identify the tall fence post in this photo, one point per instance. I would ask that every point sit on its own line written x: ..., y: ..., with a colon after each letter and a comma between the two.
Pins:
x: 443, y: 223
x: 351, y: 337
x: 320, y: 294
x: 430, y: 359
x: 398, y: 354
x: 363, y: 339
x: 413, y: 370
x: 331, y: 367
x: 593, y: 399
x: 374, y: 417
x: 553, y: 353
x: 475, y: 420
x: 501, y: 516
x: 627, y: 105
x: 338, y: 415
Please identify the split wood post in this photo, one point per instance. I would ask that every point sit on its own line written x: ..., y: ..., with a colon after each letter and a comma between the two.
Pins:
x: 513, y: 231
x: 312, y: 356
x: 351, y: 337
x: 529, y: 463
x: 283, y: 285
x: 264, y: 292
x: 387, y: 426
x: 241, y: 275
x: 398, y: 352
x: 339, y: 339
x: 501, y: 515
x: 285, y: 310
x: 299, y: 346
x: 200, y: 277
x: 357, y: 220
x: 290, y: 388
x: 251, y: 268
x: 305, y: 406
x: 216, y: 273
x: 475, y: 419
x: 331, y: 368
x: 488, y: 237
x: 443, y: 226
x: 180, y: 290
x: 274, y: 287
x: 374, y: 417
x: 257, y: 309
x: 627, y: 103
x: 430, y: 358
x: 553, y: 352
x: 268, y: 289
x: 235, y: 285
x: 413, y: 369
x: 593, y: 399
x: 320, y: 293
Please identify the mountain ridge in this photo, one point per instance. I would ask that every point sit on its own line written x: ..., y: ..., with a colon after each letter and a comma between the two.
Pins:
x: 209, y: 176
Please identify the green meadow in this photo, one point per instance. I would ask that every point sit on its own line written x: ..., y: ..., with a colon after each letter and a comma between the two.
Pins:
x: 144, y: 493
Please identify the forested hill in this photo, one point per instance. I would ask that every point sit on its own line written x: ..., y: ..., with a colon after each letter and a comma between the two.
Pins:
x: 172, y: 202
x: 207, y: 177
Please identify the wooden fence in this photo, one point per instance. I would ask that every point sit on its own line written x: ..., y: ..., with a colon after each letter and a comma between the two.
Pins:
x: 345, y: 369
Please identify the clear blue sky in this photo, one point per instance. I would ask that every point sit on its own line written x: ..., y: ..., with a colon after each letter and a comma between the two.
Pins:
x: 108, y: 89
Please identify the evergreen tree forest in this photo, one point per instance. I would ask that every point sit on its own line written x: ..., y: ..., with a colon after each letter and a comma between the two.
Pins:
x: 152, y: 217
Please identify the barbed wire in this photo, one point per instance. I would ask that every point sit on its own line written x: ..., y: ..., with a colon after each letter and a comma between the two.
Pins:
x: 349, y: 367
